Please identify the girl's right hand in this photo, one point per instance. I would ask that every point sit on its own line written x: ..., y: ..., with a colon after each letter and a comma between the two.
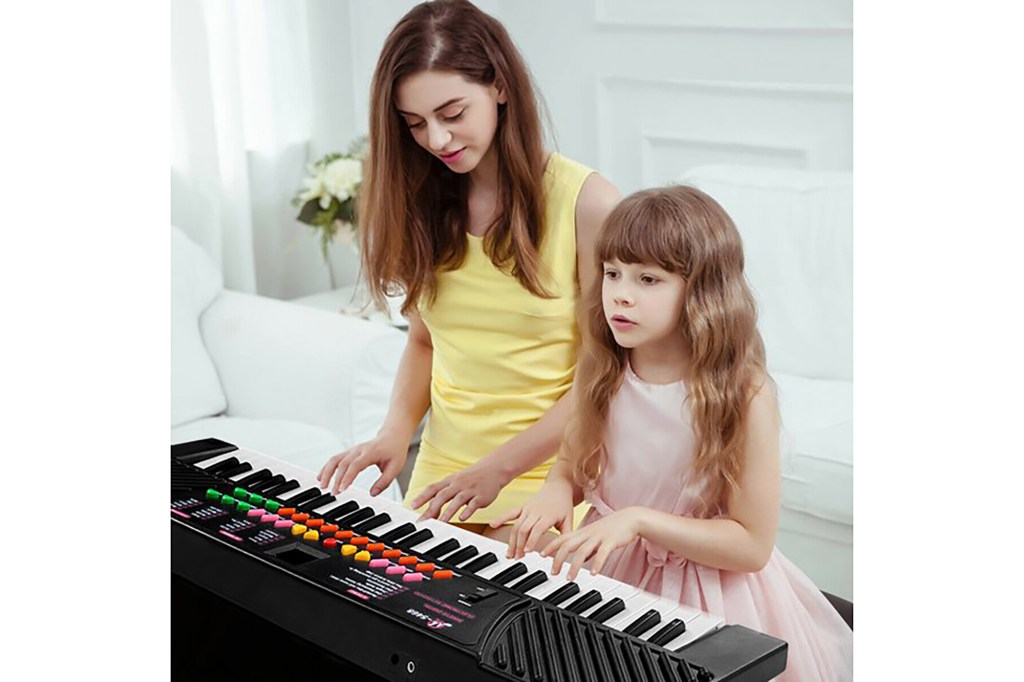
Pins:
x: 551, y: 507
x: 387, y: 452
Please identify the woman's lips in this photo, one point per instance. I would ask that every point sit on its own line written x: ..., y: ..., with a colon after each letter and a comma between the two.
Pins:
x: 453, y: 157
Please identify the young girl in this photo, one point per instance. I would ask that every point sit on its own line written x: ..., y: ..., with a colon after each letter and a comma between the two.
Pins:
x: 674, y: 439
x: 483, y: 230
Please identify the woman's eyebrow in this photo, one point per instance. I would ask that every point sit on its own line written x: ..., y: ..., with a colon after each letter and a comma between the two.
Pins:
x: 436, y: 109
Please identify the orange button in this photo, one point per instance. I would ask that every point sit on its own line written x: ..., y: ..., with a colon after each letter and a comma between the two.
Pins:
x: 440, y: 575
x: 360, y: 541
x: 407, y: 560
x: 391, y: 553
x: 329, y: 528
x: 314, y: 523
x: 424, y: 568
x: 344, y: 534
x: 300, y: 517
x: 286, y: 511
x: 375, y: 547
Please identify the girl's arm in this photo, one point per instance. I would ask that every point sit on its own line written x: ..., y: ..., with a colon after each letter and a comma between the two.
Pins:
x: 479, y: 484
x: 410, y: 398
x: 741, y: 542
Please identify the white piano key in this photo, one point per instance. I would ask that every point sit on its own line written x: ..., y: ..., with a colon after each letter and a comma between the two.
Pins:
x: 698, y: 624
x: 636, y: 606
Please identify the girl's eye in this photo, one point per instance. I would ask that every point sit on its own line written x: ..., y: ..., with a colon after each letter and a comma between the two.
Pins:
x: 648, y: 279
x: 414, y: 126
x: 453, y: 118
x: 610, y: 274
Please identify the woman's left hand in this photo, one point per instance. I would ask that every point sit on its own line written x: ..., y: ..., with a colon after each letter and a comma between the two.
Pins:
x: 474, y: 487
x: 597, y: 540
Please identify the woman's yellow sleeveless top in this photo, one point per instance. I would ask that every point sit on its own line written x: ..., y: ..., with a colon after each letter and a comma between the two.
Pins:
x: 502, y: 356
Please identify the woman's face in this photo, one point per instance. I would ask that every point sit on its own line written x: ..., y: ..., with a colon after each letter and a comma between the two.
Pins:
x: 449, y: 116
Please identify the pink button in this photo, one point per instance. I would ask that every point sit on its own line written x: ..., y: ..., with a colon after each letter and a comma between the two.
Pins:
x: 412, y: 577
x: 379, y: 563
x: 283, y: 523
x: 267, y: 518
x: 256, y: 512
x: 395, y: 570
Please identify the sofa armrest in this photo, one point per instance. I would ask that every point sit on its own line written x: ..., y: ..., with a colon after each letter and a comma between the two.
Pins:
x: 284, y: 361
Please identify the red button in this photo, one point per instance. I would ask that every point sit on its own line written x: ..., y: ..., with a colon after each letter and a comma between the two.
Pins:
x: 330, y: 543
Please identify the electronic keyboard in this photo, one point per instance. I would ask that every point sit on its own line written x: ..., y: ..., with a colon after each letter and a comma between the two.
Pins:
x: 360, y: 582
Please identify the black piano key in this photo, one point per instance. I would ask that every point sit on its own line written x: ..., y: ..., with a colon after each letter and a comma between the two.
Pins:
x: 298, y: 498
x: 591, y: 598
x: 442, y: 548
x: 456, y: 558
x: 562, y: 593
x: 374, y: 522
x: 398, y: 532
x: 509, y: 574
x: 607, y: 610
x: 262, y: 487
x: 281, y: 488
x: 241, y: 468
x: 673, y: 629
x: 419, y: 536
x: 341, y: 510
x: 529, y: 582
x: 222, y: 465
x: 326, y: 498
x: 643, y: 623
x: 254, y: 478
x: 480, y: 563
x: 355, y: 517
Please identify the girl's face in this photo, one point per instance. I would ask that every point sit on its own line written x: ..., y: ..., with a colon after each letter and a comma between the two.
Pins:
x: 450, y: 117
x: 642, y: 304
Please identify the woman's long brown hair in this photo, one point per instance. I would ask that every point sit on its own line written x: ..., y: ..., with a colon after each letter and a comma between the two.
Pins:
x: 413, y: 212
x: 684, y: 231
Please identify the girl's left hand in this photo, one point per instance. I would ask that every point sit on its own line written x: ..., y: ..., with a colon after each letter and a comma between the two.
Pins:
x: 474, y: 487
x: 597, y: 540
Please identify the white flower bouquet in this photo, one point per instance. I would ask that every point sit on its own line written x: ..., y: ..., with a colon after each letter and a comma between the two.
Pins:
x: 329, y: 195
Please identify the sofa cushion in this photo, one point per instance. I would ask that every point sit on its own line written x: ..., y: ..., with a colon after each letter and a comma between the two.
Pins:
x: 195, y: 282
x: 302, y: 445
x: 798, y: 242
x: 817, y: 446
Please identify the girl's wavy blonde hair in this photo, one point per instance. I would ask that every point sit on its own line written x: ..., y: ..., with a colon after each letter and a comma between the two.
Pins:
x: 683, y: 231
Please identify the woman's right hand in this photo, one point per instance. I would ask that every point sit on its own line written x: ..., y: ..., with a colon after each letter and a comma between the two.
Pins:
x: 387, y: 452
x: 550, y: 507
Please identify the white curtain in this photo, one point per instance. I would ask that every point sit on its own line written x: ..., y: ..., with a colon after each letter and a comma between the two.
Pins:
x: 242, y: 117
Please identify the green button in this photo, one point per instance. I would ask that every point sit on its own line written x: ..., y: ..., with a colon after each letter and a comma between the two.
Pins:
x: 227, y: 501
x: 241, y: 493
x: 272, y: 506
x: 243, y: 506
x: 256, y: 500
x: 212, y: 494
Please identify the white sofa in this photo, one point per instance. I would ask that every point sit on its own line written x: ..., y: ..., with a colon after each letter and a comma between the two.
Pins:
x: 291, y: 382
x: 798, y: 243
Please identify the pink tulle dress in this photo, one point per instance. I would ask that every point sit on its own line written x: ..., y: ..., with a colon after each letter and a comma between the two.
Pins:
x: 650, y: 446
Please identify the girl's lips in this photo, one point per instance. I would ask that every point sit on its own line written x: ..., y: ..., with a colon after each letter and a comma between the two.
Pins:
x: 622, y: 323
x: 453, y: 157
